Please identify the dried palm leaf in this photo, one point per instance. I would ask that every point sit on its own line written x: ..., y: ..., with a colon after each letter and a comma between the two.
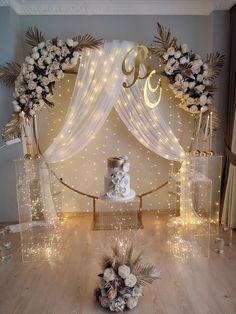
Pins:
x: 47, y: 102
x: 215, y: 64
x: 33, y: 36
x: 9, y: 73
x: 211, y: 88
x: 146, y: 274
x: 87, y: 41
x: 12, y: 128
x: 162, y: 41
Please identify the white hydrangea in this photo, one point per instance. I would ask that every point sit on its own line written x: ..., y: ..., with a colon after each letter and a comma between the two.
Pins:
x: 124, y: 271
x: 130, y: 281
x: 109, y: 274
x: 132, y: 302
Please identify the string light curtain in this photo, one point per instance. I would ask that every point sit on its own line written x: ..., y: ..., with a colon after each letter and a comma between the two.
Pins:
x: 98, y: 83
x: 147, y: 125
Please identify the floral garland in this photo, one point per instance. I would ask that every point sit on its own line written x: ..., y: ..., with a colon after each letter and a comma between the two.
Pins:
x: 35, y: 79
x: 191, y: 78
x: 122, y: 279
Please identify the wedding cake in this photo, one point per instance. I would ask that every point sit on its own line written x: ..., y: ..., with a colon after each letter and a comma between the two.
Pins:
x: 117, y: 180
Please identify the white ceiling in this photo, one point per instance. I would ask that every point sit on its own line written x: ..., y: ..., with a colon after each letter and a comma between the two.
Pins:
x: 117, y: 7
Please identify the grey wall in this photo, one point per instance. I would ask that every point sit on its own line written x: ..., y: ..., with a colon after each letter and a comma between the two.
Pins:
x: 10, y: 50
x: 202, y: 33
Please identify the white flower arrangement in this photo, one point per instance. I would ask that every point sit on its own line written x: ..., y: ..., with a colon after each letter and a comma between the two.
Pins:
x: 191, y: 78
x: 39, y: 72
x: 34, y: 80
x: 122, y: 279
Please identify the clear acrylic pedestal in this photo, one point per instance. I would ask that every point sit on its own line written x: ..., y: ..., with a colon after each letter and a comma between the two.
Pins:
x: 194, y: 205
x: 40, y: 229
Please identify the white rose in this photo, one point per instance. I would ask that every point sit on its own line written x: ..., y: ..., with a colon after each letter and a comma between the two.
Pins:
x: 16, y: 107
x: 30, y: 68
x: 184, y: 48
x: 185, y: 85
x: 44, y: 52
x: 190, y: 101
x: 32, y: 85
x: 48, y: 60
x: 132, y: 302
x: 182, y: 60
x: 41, y: 45
x: 109, y: 274
x: 51, y: 77
x: 191, y: 85
x: 206, y: 82
x: 124, y: 271
x: 193, y: 108
x: 204, y: 108
x: 171, y: 51
x: 35, y: 56
x: 179, y: 77
x: 200, y: 78
x: 35, y: 49
x: 200, y: 88
x: 73, y: 61
x: 203, y: 100
x: 32, y: 112
x: 130, y: 281
x: 171, y: 61
x: 165, y: 56
x: 177, y: 54
x: 39, y: 89
x: 45, y: 81
x: 29, y: 60
x: 70, y: 42
x: 168, y: 70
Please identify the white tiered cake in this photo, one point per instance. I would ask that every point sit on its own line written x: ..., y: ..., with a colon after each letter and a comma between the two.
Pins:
x: 117, y: 180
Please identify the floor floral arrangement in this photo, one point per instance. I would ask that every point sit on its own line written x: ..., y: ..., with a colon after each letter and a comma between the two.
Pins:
x: 122, y: 278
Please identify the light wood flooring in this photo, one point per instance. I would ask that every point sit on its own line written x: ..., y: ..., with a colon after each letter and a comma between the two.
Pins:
x: 65, y: 286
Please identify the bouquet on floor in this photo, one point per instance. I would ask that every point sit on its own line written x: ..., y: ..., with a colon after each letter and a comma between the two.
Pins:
x: 122, y: 279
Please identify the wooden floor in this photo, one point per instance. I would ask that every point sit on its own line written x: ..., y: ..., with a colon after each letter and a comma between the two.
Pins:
x: 65, y: 286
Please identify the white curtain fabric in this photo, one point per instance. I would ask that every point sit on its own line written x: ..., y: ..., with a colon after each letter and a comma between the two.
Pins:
x: 98, y: 83
x: 97, y: 88
x: 229, y: 207
x: 147, y: 125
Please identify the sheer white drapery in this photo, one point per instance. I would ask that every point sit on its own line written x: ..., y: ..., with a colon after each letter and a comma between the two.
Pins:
x: 97, y: 87
x: 147, y: 125
x: 98, y: 83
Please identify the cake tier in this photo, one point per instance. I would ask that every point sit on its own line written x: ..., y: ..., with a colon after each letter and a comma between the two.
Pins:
x: 109, y: 189
x: 128, y: 197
